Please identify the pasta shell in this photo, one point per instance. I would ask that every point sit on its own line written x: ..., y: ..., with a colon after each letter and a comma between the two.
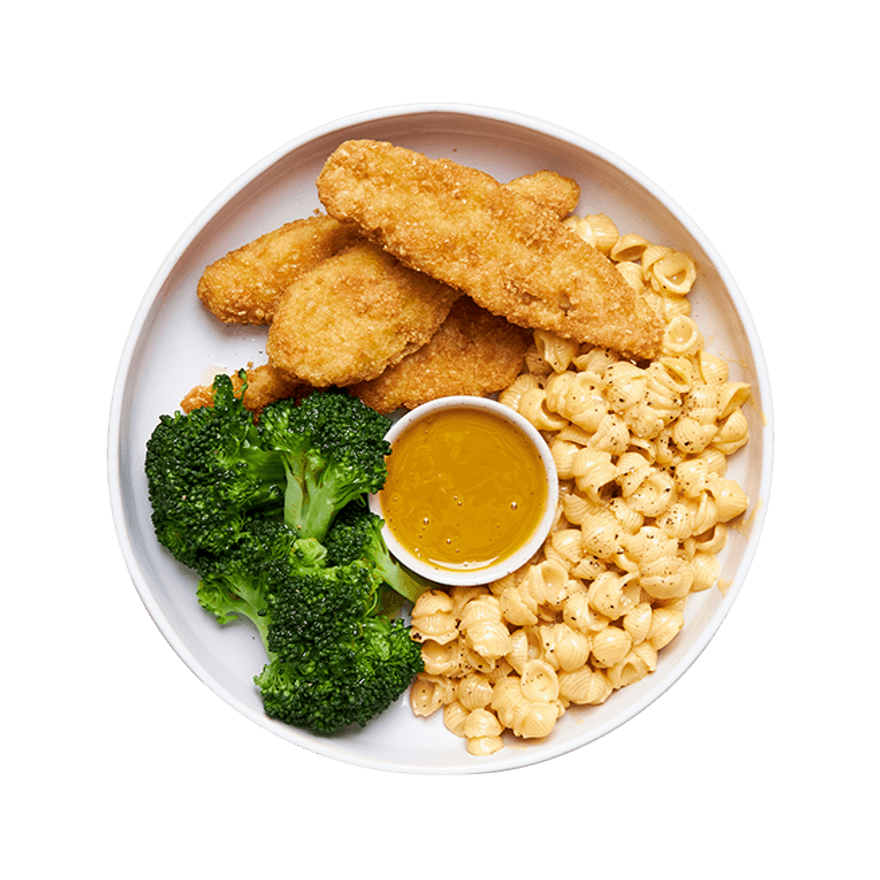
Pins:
x: 455, y: 717
x: 480, y: 746
x: 596, y: 359
x: 630, y: 519
x: 442, y: 659
x: 673, y: 306
x: 732, y: 396
x: 525, y: 645
x: 733, y: 433
x: 628, y: 671
x: 580, y: 615
x: 555, y: 350
x: 579, y: 686
x: 637, y: 623
x: 713, y: 369
x: 598, y: 230
x: 610, y: 646
x: 651, y: 254
x: 563, y: 453
x: 612, y: 435
x: 692, y: 436
x: 425, y: 695
x: 632, y: 274
x: 601, y: 536
x: 674, y: 272
x: 538, y: 722
x: 681, y: 336
x: 703, y: 403
x: 712, y: 541
x: 629, y: 247
x: 533, y: 408
x: 707, y: 569
x: 655, y: 495
x: 667, y: 578
x: 567, y: 543
x: 539, y: 682
x: 666, y: 624
x: 480, y: 609
x: 512, y: 395
x: 730, y: 499
x: 490, y: 639
x: 480, y: 722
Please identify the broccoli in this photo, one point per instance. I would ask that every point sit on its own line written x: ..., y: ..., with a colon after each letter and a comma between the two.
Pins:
x: 207, y: 474
x: 239, y: 583
x: 334, y: 658
x: 356, y: 533
x: 248, y: 505
x: 333, y: 448
x: 345, y: 683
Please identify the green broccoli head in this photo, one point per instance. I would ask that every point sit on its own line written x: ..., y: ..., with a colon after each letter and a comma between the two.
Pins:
x: 333, y: 447
x: 238, y: 583
x: 345, y: 684
x: 207, y: 474
x: 356, y: 533
x: 311, y: 608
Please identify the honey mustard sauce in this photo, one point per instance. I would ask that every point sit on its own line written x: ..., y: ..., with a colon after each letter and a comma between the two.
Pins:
x: 465, y: 489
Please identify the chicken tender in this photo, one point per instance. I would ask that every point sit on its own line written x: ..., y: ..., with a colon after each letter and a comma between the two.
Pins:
x: 353, y: 315
x: 264, y: 385
x: 512, y: 256
x: 244, y: 286
x: 473, y: 352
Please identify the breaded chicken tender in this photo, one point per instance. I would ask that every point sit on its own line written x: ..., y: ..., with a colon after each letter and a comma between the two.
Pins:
x: 512, y: 256
x: 473, y: 352
x: 353, y: 315
x: 264, y: 385
x: 244, y: 286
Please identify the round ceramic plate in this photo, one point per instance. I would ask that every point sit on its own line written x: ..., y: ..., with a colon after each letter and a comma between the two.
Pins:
x: 175, y: 344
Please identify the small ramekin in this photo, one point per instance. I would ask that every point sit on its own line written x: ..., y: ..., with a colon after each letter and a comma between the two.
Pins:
x: 487, y: 574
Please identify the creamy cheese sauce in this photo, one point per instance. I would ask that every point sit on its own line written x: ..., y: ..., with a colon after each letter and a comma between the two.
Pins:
x: 465, y: 489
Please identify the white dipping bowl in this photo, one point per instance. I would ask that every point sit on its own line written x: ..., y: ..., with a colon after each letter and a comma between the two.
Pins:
x: 174, y: 343
x: 469, y: 577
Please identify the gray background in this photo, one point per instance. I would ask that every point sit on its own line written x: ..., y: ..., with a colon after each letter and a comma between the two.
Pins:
x: 123, y: 123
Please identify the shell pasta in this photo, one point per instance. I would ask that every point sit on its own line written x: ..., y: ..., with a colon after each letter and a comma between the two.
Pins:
x: 644, y: 509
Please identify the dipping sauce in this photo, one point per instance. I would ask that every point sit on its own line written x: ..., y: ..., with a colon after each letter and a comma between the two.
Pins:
x: 465, y: 489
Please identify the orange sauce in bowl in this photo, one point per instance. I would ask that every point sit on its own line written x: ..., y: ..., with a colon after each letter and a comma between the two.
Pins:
x: 465, y: 490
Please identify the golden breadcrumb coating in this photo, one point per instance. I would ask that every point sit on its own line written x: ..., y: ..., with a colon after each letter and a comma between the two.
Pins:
x: 556, y: 193
x: 244, y: 286
x: 473, y: 352
x: 353, y: 315
x: 512, y: 256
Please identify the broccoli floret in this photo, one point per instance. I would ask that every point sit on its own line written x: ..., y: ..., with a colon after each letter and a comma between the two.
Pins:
x: 239, y: 582
x: 334, y: 658
x: 312, y: 608
x: 356, y: 533
x: 207, y: 474
x: 344, y: 684
x: 333, y: 448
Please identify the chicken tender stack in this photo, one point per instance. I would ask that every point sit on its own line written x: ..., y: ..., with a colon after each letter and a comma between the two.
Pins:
x: 509, y: 254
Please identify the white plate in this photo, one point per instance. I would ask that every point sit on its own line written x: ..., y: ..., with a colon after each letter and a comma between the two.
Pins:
x: 175, y: 343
